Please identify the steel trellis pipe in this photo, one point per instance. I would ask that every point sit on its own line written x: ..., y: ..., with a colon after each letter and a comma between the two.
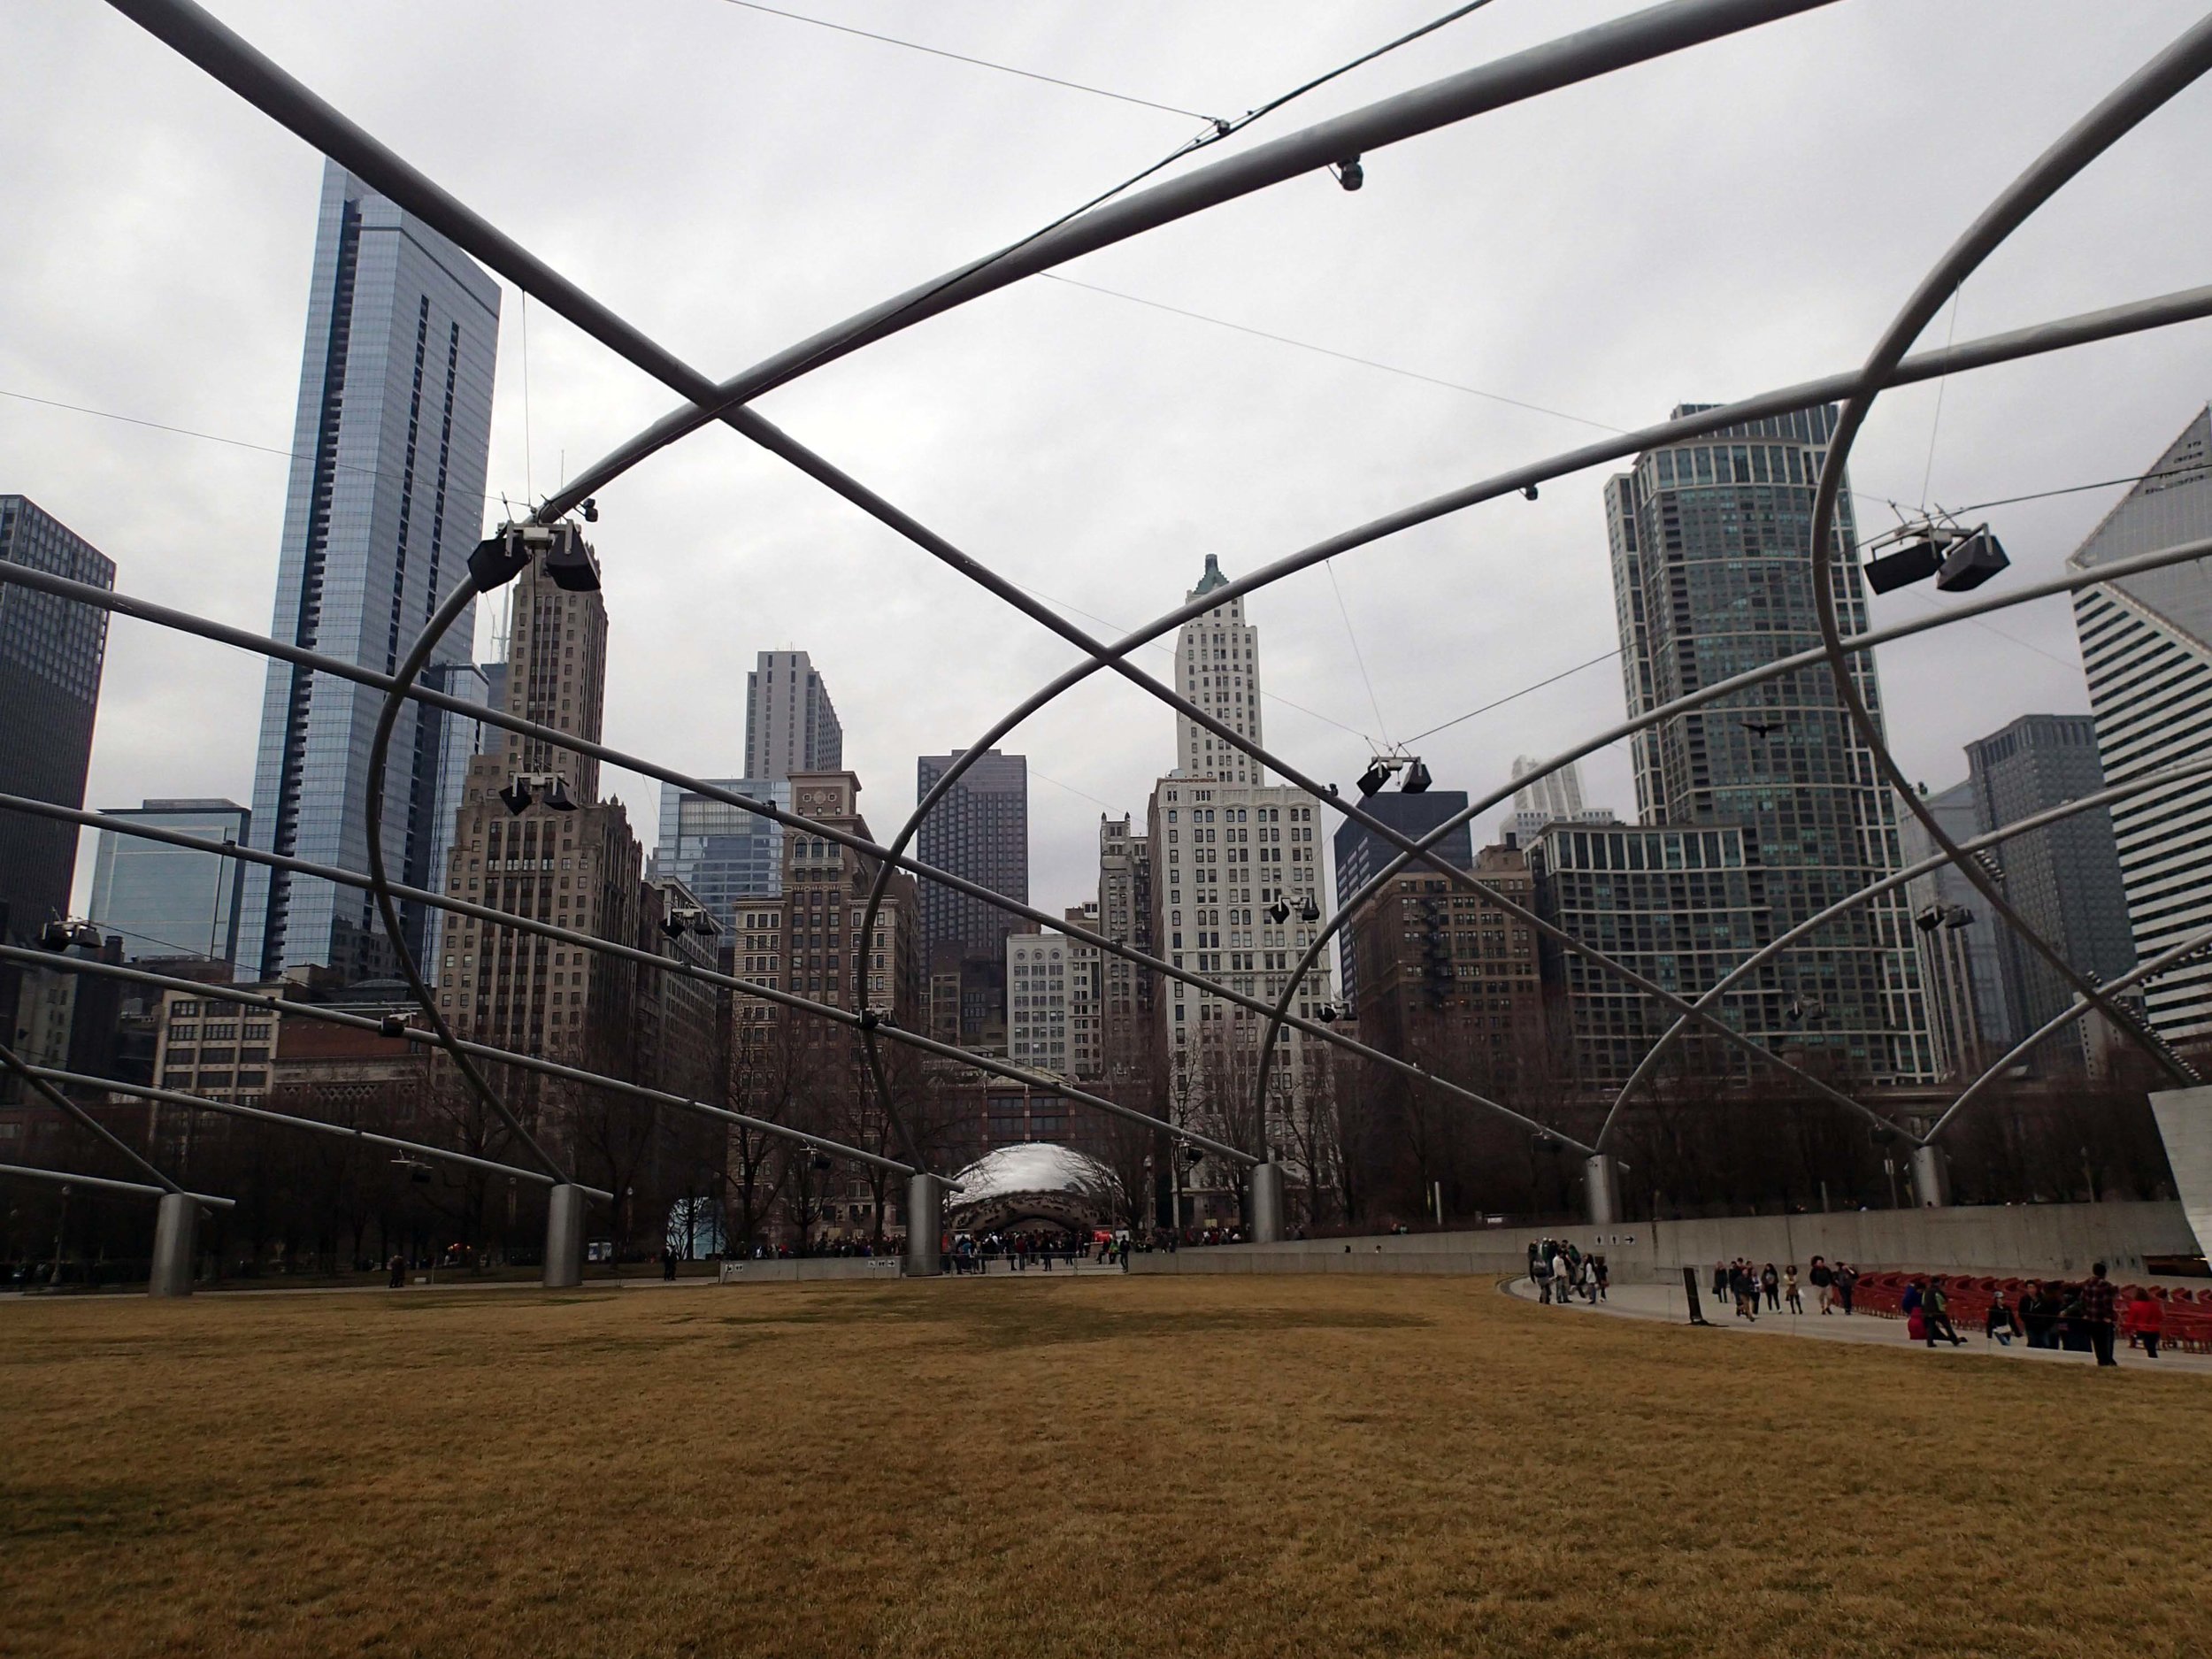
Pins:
x: 2187, y: 946
x: 528, y: 1063
x: 234, y: 1108
x: 2111, y: 120
x: 2147, y: 784
x: 54, y: 1097
x: 2068, y: 583
x: 32, y: 1171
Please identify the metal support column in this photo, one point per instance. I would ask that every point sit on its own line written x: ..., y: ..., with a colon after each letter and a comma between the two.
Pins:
x: 564, y: 1237
x: 1602, y: 1189
x: 1266, y: 1209
x: 925, y: 1224
x: 176, y: 1231
x: 1930, y: 1177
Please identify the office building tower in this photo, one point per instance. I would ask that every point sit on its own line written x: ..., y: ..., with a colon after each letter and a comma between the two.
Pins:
x: 164, y: 901
x: 1448, y: 979
x: 980, y: 832
x: 2064, y: 879
x: 1217, y: 667
x: 2146, y: 648
x: 1968, y: 1017
x: 1051, y: 983
x: 50, y: 655
x: 1124, y: 916
x: 454, y: 740
x: 1678, y: 905
x: 789, y: 723
x: 1361, y: 854
x: 723, y: 854
x: 386, y: 500
x: 1555, y: 798
x: 1712, y: 574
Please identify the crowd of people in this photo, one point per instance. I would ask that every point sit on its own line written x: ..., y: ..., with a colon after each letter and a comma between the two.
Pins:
x: 1753, y: 1288
x: 2079, y: 1317
x: 1560, y: 1272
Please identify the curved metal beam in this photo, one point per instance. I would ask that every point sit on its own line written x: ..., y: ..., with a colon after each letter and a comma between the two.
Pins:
x: 2145, y: 785
x: 2168, y: 957
x: 2115, y: 115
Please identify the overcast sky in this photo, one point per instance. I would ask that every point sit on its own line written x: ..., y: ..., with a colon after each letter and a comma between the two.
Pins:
x: 1738, y: 217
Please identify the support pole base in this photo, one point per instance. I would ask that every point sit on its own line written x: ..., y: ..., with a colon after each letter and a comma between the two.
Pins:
x: 176, y: 1228
x: 563, y: 1238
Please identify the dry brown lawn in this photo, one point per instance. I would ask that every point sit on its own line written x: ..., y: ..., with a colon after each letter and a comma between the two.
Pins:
x: 1106, y: 1466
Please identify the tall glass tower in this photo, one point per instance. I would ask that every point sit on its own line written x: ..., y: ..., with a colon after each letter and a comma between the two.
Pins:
x: 1712, y: 575
x: 386, y: 497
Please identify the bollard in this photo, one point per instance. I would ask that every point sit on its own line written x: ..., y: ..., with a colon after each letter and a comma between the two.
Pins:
x: 564, y: 1237
x: 176, y: 1227
x: 1265, y: 1193
x: 1930, y: 1177
x: 1602, y: 1189
x: 924, y: 1225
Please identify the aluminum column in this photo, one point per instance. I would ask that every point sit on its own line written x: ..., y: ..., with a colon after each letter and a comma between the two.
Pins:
x: 1930, y: 1177
x: 564, y: 1237
x: 925, y: 1224
x: 1602, y: 1189
x: 1266, y: 1209
x: 176, y: 1230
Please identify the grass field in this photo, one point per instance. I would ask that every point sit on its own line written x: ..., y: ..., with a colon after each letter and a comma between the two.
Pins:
x: 1106, y: 1466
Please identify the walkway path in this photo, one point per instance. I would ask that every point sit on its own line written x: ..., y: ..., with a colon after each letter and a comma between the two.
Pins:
x: 1666, y: 1301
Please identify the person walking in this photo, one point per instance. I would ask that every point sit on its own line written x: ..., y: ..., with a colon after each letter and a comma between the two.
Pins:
x: 2100, y: 1306
x: 1790, y: 1298
x: 1540, y: 1274
x: 1720, y: 1282
x: 668, y: 1264
x: 2147, y: 1320
x: 1559, y: 1279
x: 1847, y: 1282
x: 2037, y: 1310
x: 1601, y: 1275
x: 1824, y: 1280
x: 1770, y: 1284
x: 397, y: 1269
x: 2002, y: 1324
x: 1936, y: 1306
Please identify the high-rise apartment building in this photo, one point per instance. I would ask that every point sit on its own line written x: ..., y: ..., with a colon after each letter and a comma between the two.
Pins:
x: 50, y: 656
x: 723, y: 854
x: 1124, y: 916
x: 789, y: 723
x: 386, y: 500
x: 1712, y: 575
x: 1448, y: 980
x: 1217, y: 667
x: 1360, y: 853
x: 1968, y: 1017
x: 455, y: 740
x: 980, y: 831
x: 2064, y: 879
x: 2146, y: 648
x: 164, y: 901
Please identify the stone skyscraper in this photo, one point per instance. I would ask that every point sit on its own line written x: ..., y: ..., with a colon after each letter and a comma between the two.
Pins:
x: 50, y: 655
x: 386, y: 500
x: 1712, y: 575
x: 2146, y: 648
x: 1217, y: 667
x: 789, y: 723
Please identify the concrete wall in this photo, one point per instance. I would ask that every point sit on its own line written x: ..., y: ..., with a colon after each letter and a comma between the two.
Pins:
x: 2028, y: 1238
x: 785, y: 1272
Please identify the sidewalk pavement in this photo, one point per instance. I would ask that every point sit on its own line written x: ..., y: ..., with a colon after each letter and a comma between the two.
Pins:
x: 1667, y: 1302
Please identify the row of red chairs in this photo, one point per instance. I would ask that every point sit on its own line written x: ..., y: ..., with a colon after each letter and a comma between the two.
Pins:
x: 2184, y: 1320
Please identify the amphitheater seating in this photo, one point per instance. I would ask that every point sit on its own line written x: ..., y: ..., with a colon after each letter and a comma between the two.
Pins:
x: 2186, y: 1322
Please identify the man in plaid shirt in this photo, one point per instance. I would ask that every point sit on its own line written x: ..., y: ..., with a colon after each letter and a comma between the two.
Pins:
x: 2100, y: 1307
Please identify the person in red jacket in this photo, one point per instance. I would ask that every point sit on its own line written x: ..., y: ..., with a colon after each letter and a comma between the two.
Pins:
x: 2147, y: 1320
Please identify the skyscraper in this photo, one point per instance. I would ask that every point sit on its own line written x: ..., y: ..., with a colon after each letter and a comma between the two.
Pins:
x: 722, y: 853
x: 455, y: 740
x: 1217, y: 667
x: 1555, y: 798
x: 980, y: 831
x: 1124, y: 916
x: 2064, y: 879
x: 169, y: 901
x: 1712, y: 575
x: 50, y: 656
x: 387, y: 498
x: 789, y: 723
x: 1361, y: 854
x: 2146, y: 648
x: 1964, y: 981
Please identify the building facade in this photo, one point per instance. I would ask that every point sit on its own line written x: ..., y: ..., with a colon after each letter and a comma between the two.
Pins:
x: 1680, y: 906
x: 169, y: 901
x: 723, y: 854
x: 1361, y: 854
x: 385, y: 501
x: 1217, y: 667
x: 1053, y: 984
x: 51, y: 652
x: 1448, y: 981
x: 1124, y: 916
x: 1712, y: 573
x: 2146, y: 648
x: 790, y: 725
x: 2064, y: 879
x: 1968, y: 1015
x: 455, y: 740
x: 980, y: 832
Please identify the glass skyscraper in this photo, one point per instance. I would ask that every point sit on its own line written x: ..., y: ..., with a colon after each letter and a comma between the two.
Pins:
x: 1712, y: 575
x: 51, y: 652
x: 721, y: 852
x: 387, y: 498
x: 168, y: 900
